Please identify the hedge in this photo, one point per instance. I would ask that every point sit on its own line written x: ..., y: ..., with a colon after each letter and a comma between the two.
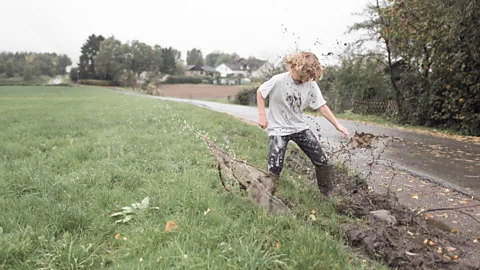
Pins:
x: 245, y: 96
x: 183, y: 80
x: 61, y: 85
x: 98, y: 82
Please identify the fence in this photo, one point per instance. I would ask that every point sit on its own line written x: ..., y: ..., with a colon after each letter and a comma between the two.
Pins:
x: 375, y: 107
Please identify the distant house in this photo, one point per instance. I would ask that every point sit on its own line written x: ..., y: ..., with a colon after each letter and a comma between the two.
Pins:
x: 233, y: 70
x: 263, y: 71
x: 194, y: 70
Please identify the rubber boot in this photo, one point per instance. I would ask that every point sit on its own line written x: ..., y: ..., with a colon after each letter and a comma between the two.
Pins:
x: 325, y: 180
x: 273, y: 186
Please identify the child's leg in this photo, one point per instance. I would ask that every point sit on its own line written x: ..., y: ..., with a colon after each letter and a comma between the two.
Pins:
x: 309, y: 144
x: 278, y: 147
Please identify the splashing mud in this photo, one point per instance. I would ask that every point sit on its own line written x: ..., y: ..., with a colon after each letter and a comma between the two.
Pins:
x: 391, y: 233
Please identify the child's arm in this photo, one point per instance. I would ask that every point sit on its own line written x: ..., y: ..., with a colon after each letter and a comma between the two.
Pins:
x: 327, y: 113
x: 262, y: 117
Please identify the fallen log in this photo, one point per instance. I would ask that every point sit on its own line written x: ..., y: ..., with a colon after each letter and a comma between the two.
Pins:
x: 236, y: 175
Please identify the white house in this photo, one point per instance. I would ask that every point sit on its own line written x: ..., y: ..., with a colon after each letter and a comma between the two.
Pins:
x: 263, y: 70
x: 233, y: 70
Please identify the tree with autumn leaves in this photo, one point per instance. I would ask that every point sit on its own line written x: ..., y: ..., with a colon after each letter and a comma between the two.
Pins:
x: 436, y: 43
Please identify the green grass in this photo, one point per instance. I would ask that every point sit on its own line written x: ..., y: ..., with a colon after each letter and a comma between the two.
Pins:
x: 382, y: 120
x: 70, y: 157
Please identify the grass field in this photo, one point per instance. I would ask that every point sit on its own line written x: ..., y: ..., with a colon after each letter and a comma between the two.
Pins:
x: 70, y: 157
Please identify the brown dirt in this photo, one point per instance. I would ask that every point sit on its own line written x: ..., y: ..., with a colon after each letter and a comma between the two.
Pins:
x: 401, y: 245
x: 198, y: 91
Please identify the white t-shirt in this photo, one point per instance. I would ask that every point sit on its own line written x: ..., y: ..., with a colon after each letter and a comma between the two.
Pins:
x: 287, y: 102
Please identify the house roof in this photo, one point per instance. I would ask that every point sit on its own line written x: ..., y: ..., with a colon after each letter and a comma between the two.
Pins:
x: 189, y: 67
x: 204, y: 68
x: 235, y: 66
x: 209, y: 69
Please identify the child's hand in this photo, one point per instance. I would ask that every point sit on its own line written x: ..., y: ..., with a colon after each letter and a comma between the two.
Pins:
x: 343, y: 130
x: 262, y: 121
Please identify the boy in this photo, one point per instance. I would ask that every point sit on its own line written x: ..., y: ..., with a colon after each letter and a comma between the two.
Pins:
x: 290, y: 93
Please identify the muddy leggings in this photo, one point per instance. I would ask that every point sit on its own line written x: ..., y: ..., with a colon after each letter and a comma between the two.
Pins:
x: 306, y: 140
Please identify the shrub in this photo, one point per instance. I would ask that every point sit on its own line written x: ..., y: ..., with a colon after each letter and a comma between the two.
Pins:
x: 183, y: 80
x: 248, y: 96
x: 209, y: 79
x: 98, y: 82
x: 62, y: 85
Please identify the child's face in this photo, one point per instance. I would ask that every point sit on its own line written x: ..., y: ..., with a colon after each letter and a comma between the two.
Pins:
x: 298, y: 78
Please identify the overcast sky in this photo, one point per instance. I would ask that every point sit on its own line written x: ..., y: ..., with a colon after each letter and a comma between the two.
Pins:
x: 266, y: 29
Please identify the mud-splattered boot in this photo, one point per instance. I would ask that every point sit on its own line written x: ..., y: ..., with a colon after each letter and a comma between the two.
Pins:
x: 325, y: 180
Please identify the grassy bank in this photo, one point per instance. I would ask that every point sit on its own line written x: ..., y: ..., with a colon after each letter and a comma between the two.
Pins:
x: 384, y: 121
x: 70, y: 157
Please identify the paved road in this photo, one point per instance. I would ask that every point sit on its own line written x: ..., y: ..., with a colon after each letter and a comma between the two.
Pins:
x: 452, y: 163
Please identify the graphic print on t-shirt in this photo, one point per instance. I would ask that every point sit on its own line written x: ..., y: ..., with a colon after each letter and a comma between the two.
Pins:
x: 294, y: 102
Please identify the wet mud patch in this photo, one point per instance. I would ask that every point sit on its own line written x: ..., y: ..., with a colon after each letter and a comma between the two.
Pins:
x: 389, y: 232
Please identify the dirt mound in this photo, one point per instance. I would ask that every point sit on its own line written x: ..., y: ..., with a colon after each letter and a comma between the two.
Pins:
x: 397, y: 237
x: 238, y: 176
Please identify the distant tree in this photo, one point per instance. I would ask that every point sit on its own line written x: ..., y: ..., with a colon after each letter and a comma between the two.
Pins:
x: 10, y: 69
x: 142, y: 57
x: 28, y: 72
x: 29, y: 65
x: 74, y: 74
x: 87, y: 63
x: 254, y: 63
x: 226, y: 58
x: 156, y: 64
x: 211, y: 58
x: 63, y: 61
x: 179, y: 69
x: 45, y: 64
x: 111, y: 59
x: 195, y: 57
x: 170, y: 58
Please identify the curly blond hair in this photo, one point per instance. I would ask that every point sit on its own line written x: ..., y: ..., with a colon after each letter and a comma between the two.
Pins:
x: 306, y: 65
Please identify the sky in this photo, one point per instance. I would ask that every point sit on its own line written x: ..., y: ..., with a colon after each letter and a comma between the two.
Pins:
x: 266, y: 29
